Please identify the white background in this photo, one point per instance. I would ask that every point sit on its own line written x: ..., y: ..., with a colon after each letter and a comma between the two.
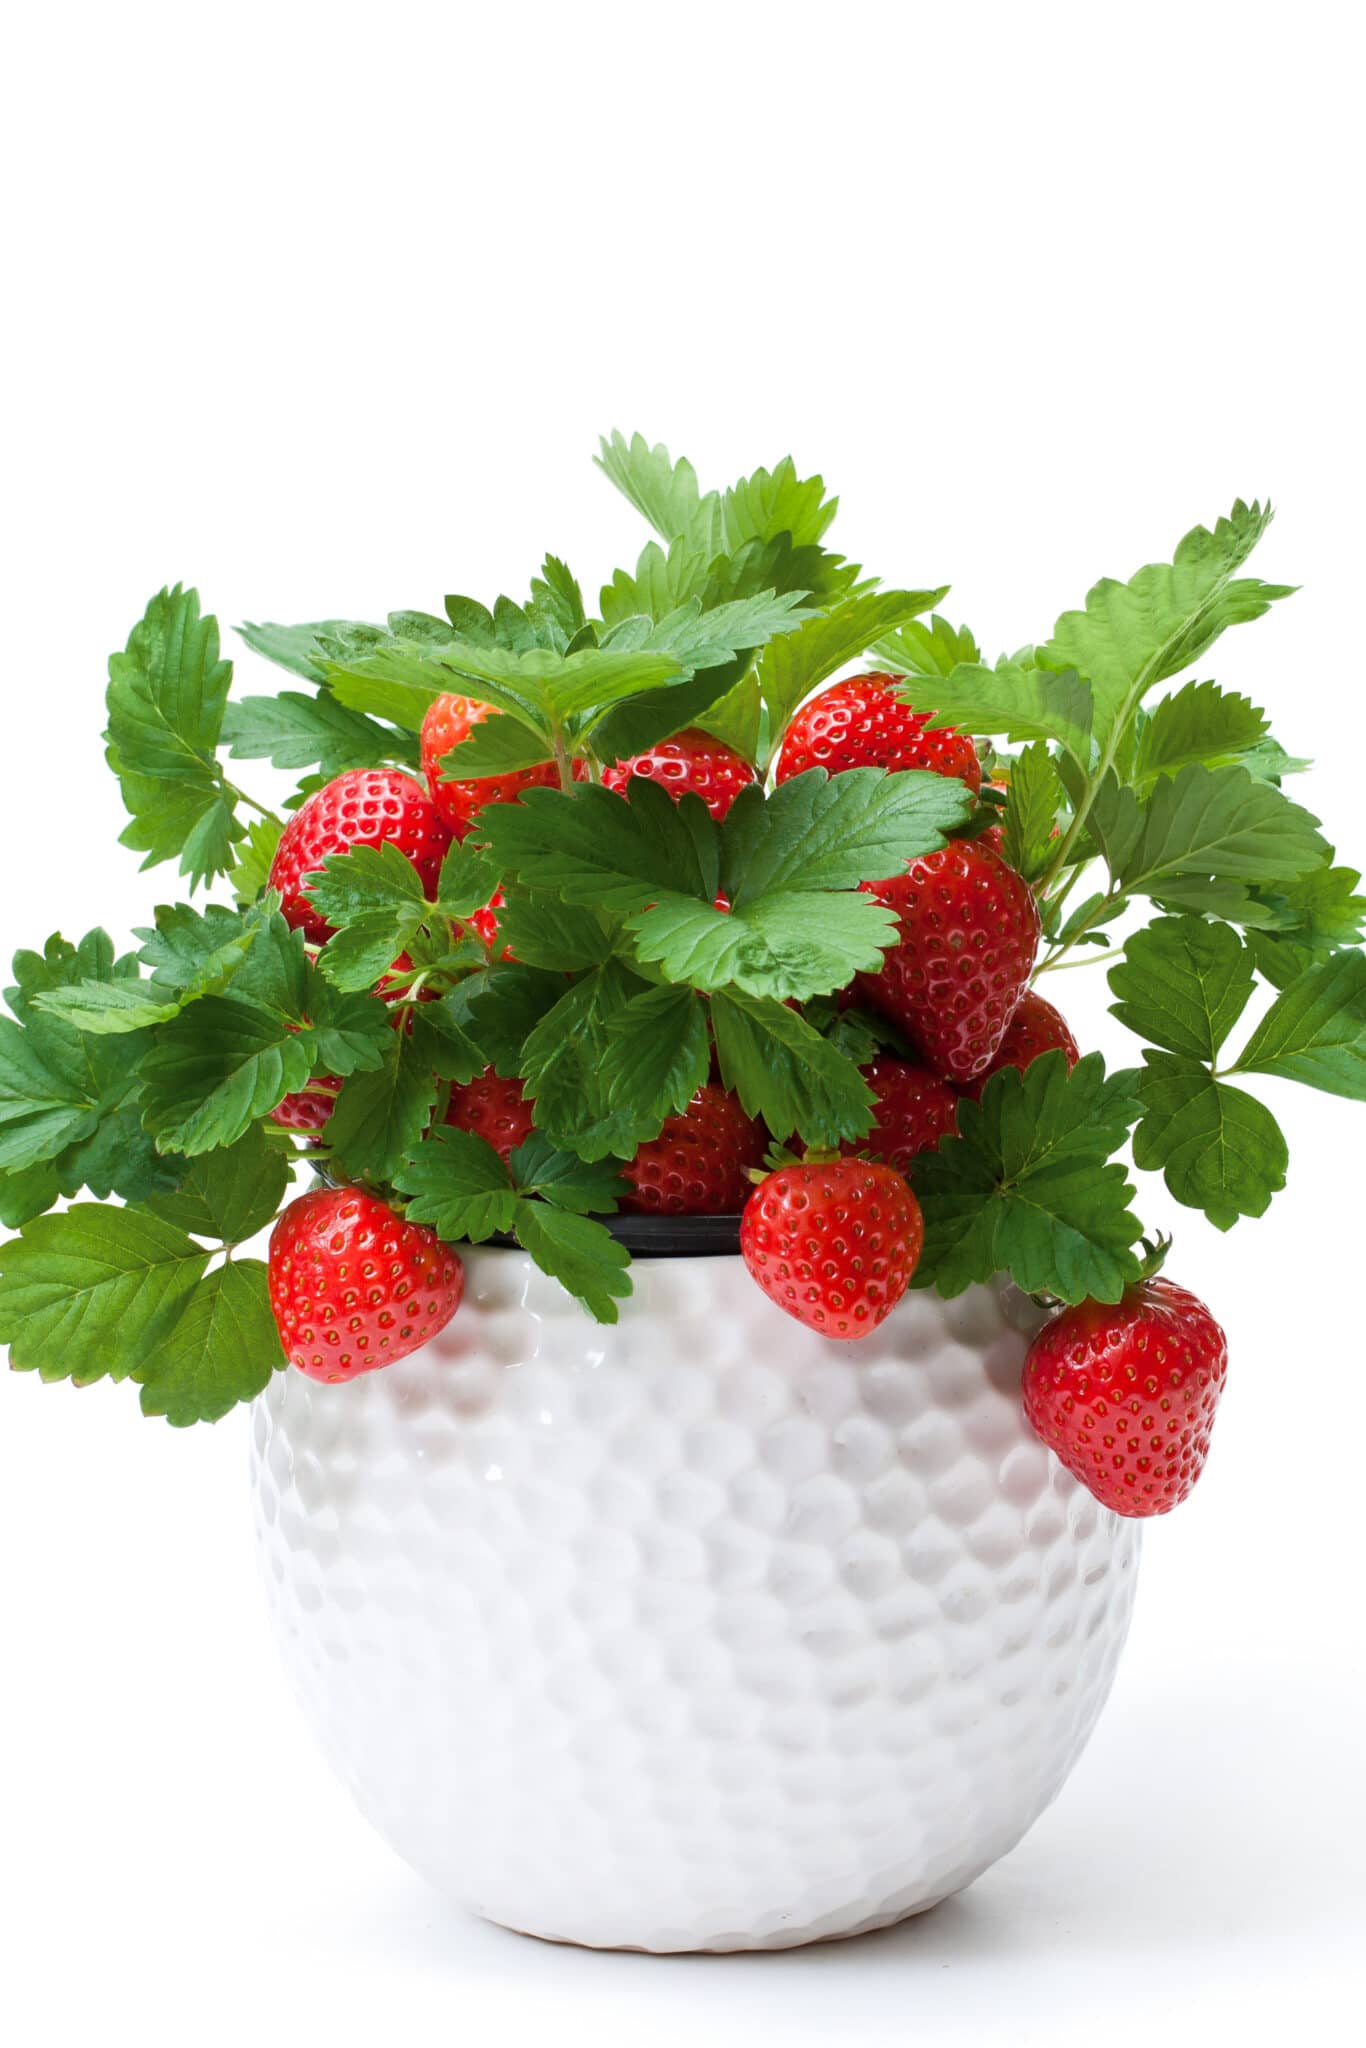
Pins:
x: 322, y: 307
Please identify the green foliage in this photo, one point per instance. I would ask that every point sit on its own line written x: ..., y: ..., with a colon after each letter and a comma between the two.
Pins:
x: 1029, y: 1186
x: 91, y: 1291
x: 1184, y: 984
x: 791, y: 667
x: 1218, y: 1149
x: 801, y: 1084
x: 1036, y: 798
x: 1203, y: 824
x: 295, y: 731
x: 1199, y: 722
x: 1315, y: 1031
x: 1009, y: 702
x: 925, y: 647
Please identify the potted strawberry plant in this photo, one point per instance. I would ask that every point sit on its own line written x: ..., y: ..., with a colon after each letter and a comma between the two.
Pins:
x: 708, y: 1367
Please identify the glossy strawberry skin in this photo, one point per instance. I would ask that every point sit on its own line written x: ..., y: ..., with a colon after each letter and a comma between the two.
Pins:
x: 307, y: 1110
x: 915, y: 1109
x: 494, y: 1109
x: 1035, y: 1028
x: 860, y: 723
x: 690, y: 761
x: 364, y: 807
x: 699, y: 1163
x: 969, y: 930
x: 835, y: 1246
x: 1125, y: 1394
x: 353, y: 1286
x: 449, y: 720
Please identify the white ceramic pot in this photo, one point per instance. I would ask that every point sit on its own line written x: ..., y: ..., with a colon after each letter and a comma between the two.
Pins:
x: 700, y: 1632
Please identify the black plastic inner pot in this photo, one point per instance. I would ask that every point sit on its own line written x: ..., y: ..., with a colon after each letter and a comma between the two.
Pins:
x: 669, y: 1237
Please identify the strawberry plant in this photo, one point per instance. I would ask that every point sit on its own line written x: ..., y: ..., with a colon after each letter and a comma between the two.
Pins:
x: 575, y: 913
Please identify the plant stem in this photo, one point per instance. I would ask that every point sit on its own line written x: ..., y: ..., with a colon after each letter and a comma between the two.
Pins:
x: 249, y: 801
x: 563, y: 762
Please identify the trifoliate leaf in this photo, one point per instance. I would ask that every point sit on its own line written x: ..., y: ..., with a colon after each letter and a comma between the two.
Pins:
x: 541, y: 931
x: 578, y: 1252
x: 1028, y: 1186
x: 374, y: 897
x: 1009, y: 702
x: 294, y: 731
x: 925, y: 647
x: 90, y: 1291
x: 230, y: 1194
x: 791, y: 667
x: 540, y: 1168
x: 1036, y: 797
x: 1183, y: 985
x: 785, y: 1072
x: 380, y: 1114
x: 166, y: 698
x: 1200, y: 823
x: 1135, y: 634
x: 1217, y: 1148
x: 791, y: 945
x: 1315, y: 1031
x: 221, y: 1348
x: 217, y: 1067
x: 601, y: 849
x: 456, y: 1184
x: 1200, y: 722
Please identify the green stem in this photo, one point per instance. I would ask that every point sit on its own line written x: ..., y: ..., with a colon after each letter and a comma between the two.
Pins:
x: 249, y: 801
x: 563, y: 761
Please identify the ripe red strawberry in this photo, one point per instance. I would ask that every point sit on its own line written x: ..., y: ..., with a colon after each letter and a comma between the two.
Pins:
x: 450, y: 720
x: 691, y: 760
x: 493, y: 1109
x: 353, y: 1286
x: 834, y: 1245
x: 699, y: 1164
x: 364, y: 807
x: 860, y: 724
x: 1125, y: 1394
x: 307, y: 1110
x: 914, y: 1111
x: 969, y: 929
x: 1035, y: 1028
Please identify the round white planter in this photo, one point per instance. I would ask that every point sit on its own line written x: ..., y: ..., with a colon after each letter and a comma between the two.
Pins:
x: 700, y: 1632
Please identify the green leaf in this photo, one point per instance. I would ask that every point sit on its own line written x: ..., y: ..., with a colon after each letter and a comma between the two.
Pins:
x: 230, y: 1194
x: 602, y: 849
x: 197, y: 953
x: 708, y: 639
x: 1009, y: 702
x: 1183, y: 985
x: 166, y: 699
x: 1218, y: 1149
x: 1132, y: 635
x: 640, y: 722
x: 1203, y: 822
x: 1315, y: 1031
x: 665, y: 491
x: 456, y: 1184
x: 45, y: 1105
x: 250, y: 872
x: 215, y: 1069
x: 1028, y: 1186
x: 580, y: 1100
x: 1318, y: 910
x: 792, y: 666
x: 541, y: 931
x: 1036, y: 797
x: 501, y: 1007
x: 766, y: 504
x: 296, y: 647
x: 926, y: 647
x: 221, y: 1349
x: 381, y: 1114
x: 292, y: 731
x: 374, y: 896
x: 107, y: 1008
x: 578, y: 1252
x: 659, y: 1051
x: 467, y: 880
x: 119, y: 1158
x: 833, y: 832
x: 785, y: 1072
x: 556, y: 601
x: 89, y: 1292
x: 498, y: 745
x: 1200, y: 722
x: 540, y: 1168
x: 28, y: 1193
x: 792, y: 945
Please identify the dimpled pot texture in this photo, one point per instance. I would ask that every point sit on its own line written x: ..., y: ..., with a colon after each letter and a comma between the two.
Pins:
x: 699, y: 1632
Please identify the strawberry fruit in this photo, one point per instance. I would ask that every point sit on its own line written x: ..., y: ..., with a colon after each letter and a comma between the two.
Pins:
x: 860, y: 723
x: 692, y: 761
x: 494, y: 1109
x: 699, y: 1164
x: 1125, y: 1394
x: 449, y: 720
x: 353, y: 1286
x: 364, y: 807
x: 834, y: 1245
x: 915, y: 1109
x: 968, y: 933
x: 1035, y: 1028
